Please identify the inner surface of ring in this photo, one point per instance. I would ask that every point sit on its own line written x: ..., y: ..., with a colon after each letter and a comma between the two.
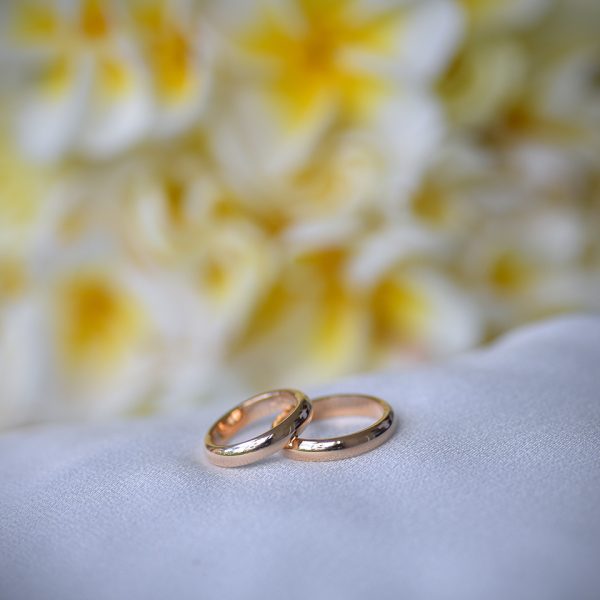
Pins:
x: 283, y: 402
x: 346, y: 406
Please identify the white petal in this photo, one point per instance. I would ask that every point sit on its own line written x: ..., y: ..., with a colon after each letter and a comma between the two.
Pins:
x: 431, y: 35
x: 409, y: 128
x: 381, y: 251
x: 47, y: 125
x: 250, y: 142
x: 20, y: 387
x: 116, y: 120
x: 456, y: 322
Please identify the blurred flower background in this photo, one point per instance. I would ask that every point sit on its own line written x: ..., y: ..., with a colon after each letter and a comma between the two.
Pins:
x: 199, y: 200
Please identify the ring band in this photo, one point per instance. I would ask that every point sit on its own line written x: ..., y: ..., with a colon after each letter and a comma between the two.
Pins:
x: 345, y: 446
x: 296, y: 412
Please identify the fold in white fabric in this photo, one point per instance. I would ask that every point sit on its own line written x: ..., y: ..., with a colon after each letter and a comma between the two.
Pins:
x: 490, y: 489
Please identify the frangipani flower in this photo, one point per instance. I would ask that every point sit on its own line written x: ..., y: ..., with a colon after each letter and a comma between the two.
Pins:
x: 98, y: 77
x: 97, y: 320
x: 443, y: 203
x: 420, y: 313
x: 525, y: 265
x: 552, y: 129
x: 352, y: 173
x: 318, y: 323
x: 99, y: 337
x: 339, y: 323
x: 77, y: 348
x: 177, y: 49
x: 340, y: 57
x: 309, y: 65
x: 186, y: 220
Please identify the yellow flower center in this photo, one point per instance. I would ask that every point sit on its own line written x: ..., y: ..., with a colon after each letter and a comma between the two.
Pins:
x: 401, y: 312
x: 170, y: 57
x: 93, y: 20
x: 430, y: 205
x: 313, y: 72
x: 98, y: 322
x: 510, y: 273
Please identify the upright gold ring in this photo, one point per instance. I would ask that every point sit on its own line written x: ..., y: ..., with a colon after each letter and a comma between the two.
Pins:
x: 295, y: 413
x: 345, y: 446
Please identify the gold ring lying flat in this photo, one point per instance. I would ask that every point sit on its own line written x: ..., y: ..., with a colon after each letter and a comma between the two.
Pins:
x: 345, y: 446
x: 296, y: 412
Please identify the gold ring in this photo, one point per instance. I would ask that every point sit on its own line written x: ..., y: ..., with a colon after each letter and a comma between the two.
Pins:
x: 345, y: 446
x: 296, y: 412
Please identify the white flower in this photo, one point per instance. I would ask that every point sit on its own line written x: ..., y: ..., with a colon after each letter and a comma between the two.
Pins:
x: 182, y: 218
x: 95, y: 78
x: 351, y: 174
x: 98, y: 336
x: 79, y: 337
x: 528, y: 263
x: 326, y: 318
x: 303, y: 66
x: 309, y: 327
x: 420, y: 314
